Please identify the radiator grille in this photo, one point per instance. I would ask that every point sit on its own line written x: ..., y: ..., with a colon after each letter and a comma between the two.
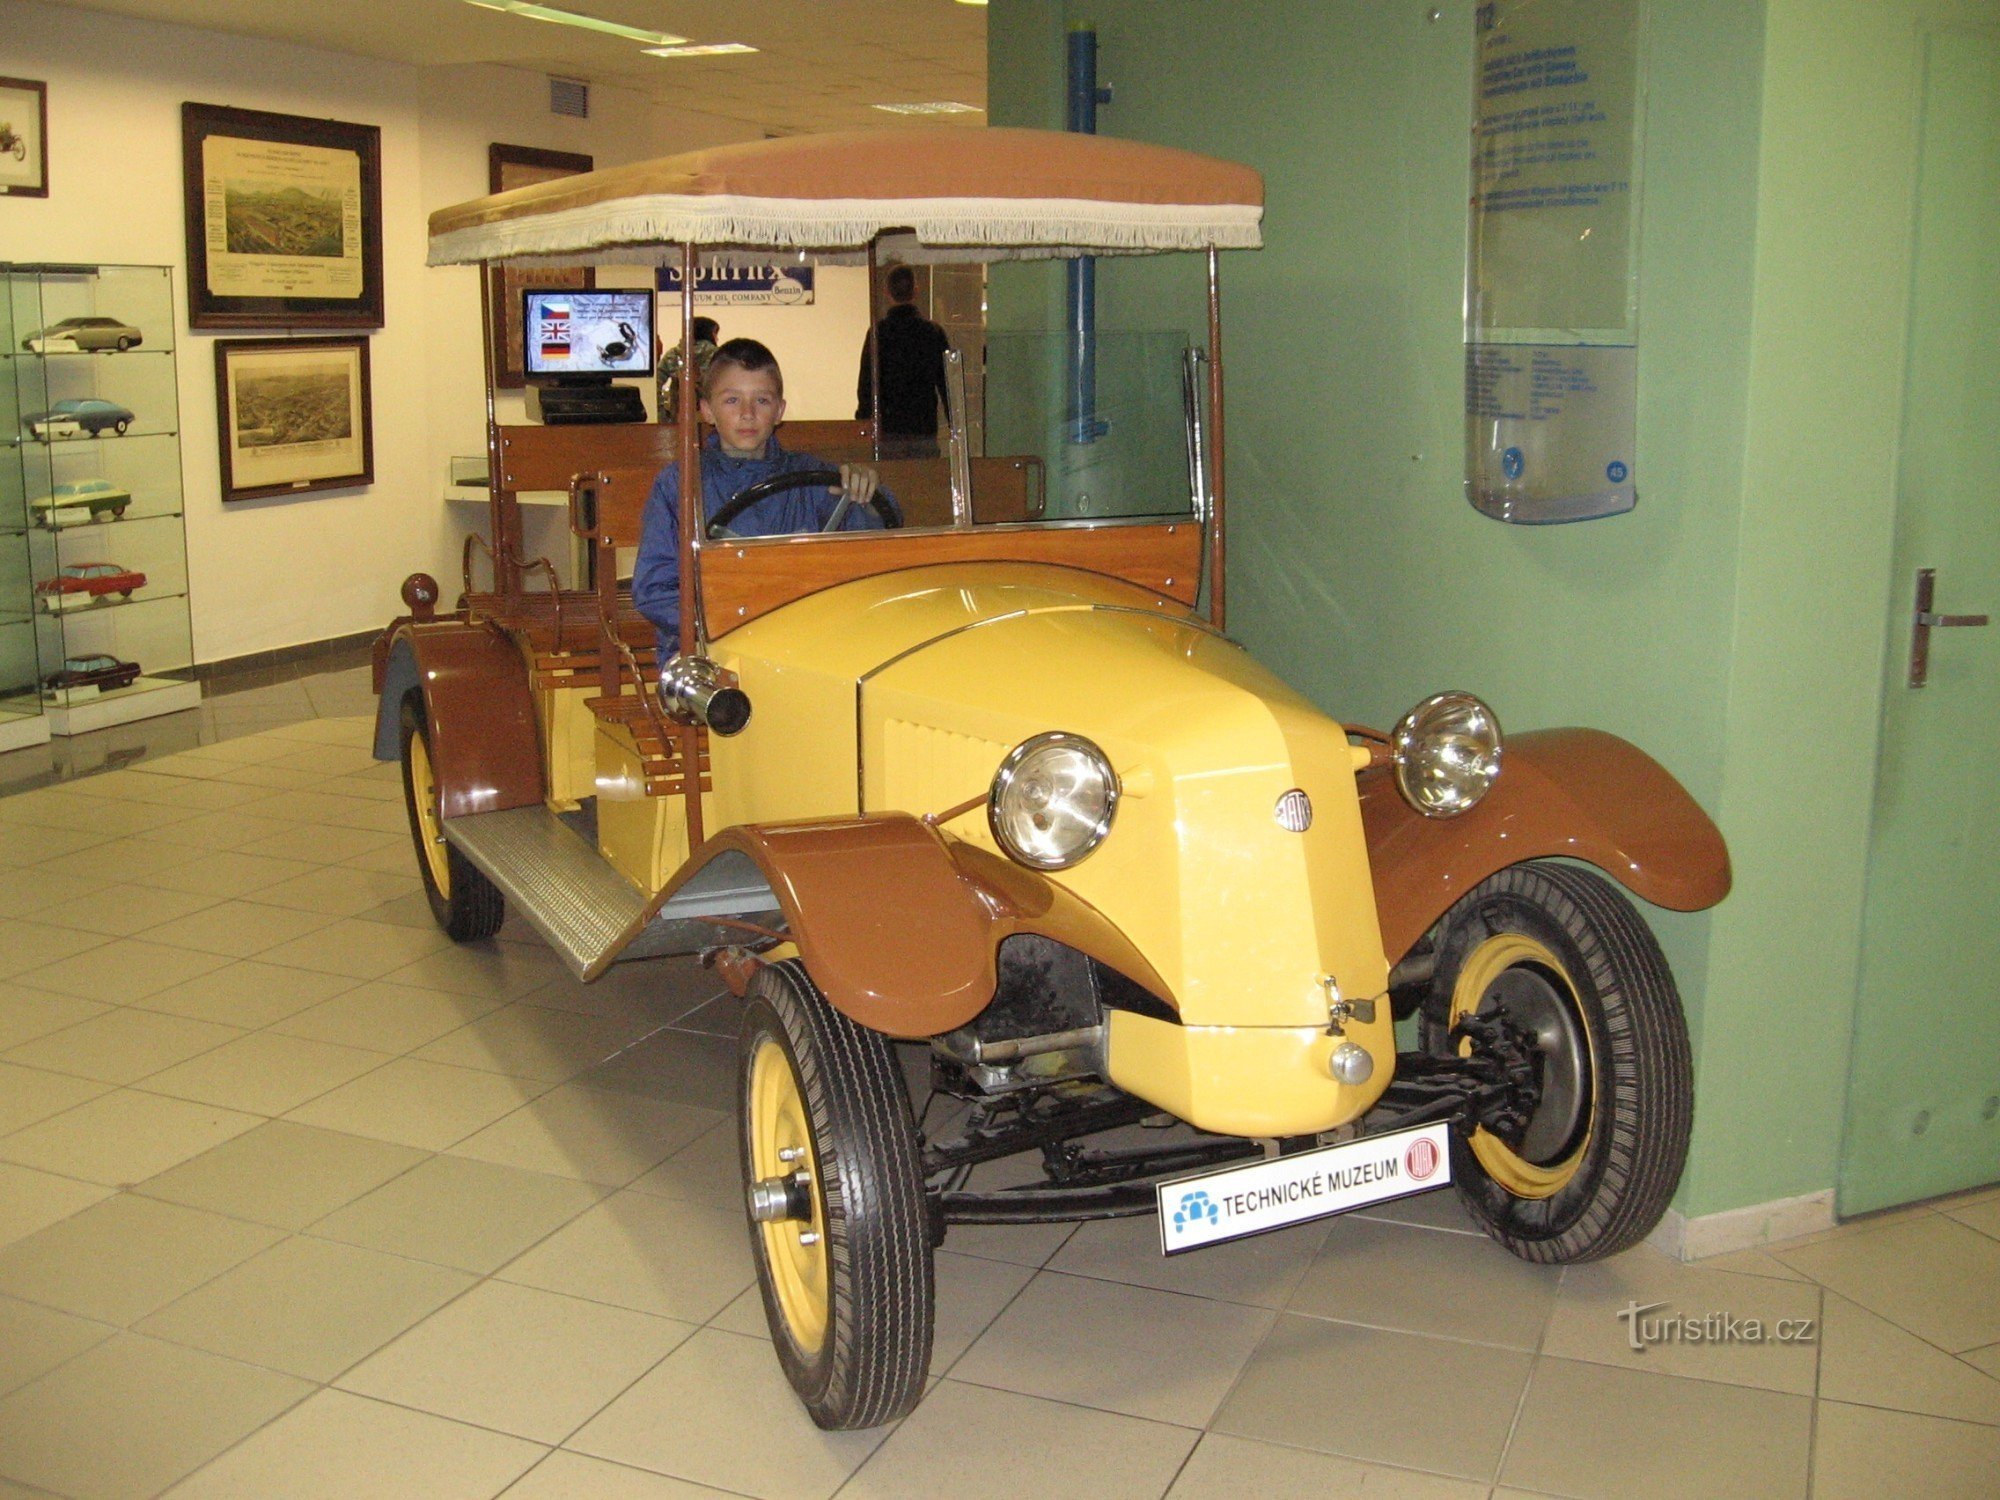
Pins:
x: 926, y: 770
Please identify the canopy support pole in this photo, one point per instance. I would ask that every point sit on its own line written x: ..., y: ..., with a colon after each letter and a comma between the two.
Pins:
x: 1217, y: 552
x: 694, y: 631
x: 874, y: 353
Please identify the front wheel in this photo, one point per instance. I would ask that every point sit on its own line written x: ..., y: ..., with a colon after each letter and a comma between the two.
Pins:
x: 1547, y: 969
x: 465, y: 903
x: 838, y: 1224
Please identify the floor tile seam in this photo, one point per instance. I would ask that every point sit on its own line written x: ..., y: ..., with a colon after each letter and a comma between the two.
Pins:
x: 721, y: 1489
x: 139, y: 1085
x: 487, y: 1275
x: 1978, y: 1423
x: 355, y: 984
x: 136, y: 1085
x: 1377, y: 1463
x: 1950, y: 1353
x: 212, y: 902
x: 1991, y: 1234
x: 1535, y: 1358
x: 188, y: 1474
x: 1077, y: 1405
x: 255, y: 1364
x: 985, y: 1328
x: 64, y: 1176
x: 680, y: 1478
x: 1968, y: 1423
x: 1719, y: 1385
x: 1106, y: 1279
x: 262, y: 1114
x: 1441, y: 1338
x: 423, y: 1411
x: 539, y: 1086
x: 501, y: 1276
x: 1853, y: 1229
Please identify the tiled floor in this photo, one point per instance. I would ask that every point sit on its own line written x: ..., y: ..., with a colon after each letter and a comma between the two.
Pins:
x: 298, y: 1200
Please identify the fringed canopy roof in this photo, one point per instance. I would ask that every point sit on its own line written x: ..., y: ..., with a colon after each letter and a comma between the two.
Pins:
x: 955, y: 194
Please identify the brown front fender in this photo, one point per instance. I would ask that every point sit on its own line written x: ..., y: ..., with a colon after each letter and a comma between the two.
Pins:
x: 1574, y: 793
x: 485, y: 750
x: 899, y: 925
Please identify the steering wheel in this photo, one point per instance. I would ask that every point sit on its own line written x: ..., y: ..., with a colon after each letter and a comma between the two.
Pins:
x: 798, y: 479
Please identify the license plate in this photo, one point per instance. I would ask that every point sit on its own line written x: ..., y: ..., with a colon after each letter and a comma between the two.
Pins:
x: 1231, y: 1202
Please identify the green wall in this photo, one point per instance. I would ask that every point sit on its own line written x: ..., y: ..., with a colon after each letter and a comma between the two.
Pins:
x: 1733, y: 624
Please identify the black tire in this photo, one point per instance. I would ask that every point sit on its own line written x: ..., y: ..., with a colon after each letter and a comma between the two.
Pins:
x: 1565, y: 954
x: 465, y: 903
x: 852, y: 1314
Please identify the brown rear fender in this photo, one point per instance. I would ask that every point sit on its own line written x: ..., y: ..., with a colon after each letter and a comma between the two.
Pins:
x: 485, y: 750
x: 1570, y: 793
x: 900, y: 925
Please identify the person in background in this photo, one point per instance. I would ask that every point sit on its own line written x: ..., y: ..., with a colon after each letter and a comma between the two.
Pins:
x: 706, y: 334
x: 913, y: 349
x: 742, y: 400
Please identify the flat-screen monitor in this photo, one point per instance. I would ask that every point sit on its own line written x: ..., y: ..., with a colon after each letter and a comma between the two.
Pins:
x: 586, y: 335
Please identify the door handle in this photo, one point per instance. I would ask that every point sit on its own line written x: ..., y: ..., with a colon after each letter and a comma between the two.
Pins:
x: 1923, y: 620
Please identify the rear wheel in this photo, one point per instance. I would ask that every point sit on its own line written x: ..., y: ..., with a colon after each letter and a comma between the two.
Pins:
x: 465, y: 903
x: 838, y: 1225
x: 1547, y: 968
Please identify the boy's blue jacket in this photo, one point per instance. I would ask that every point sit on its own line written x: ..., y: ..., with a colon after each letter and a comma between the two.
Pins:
x: 656, y: 580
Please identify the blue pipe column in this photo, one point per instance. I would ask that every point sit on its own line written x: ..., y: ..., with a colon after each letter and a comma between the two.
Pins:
x: 1084, y: 97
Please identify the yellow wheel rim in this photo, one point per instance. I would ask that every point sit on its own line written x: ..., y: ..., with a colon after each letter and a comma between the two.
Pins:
x: 430, y: 834
x: 781, y: 1145
x: 1486, y: 963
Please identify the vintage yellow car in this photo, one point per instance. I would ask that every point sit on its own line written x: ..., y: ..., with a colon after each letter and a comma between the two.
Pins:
x: 997, y: 784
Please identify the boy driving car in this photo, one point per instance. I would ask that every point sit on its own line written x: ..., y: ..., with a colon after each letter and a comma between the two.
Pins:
x: 742, y: 400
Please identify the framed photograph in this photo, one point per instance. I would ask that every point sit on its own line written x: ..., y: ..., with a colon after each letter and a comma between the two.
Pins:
x: 294, y: 416
x: 513, y: 167
x: 284, y: 220
x: 24, y: 138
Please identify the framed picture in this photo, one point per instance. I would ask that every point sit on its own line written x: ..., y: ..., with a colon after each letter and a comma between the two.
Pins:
x: 513, y: 167
x: 24, y: 138
x: 284, y: 220
x: 294, y: 416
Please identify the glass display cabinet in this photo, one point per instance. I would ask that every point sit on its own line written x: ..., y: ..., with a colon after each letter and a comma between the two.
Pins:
x: 90, y: 418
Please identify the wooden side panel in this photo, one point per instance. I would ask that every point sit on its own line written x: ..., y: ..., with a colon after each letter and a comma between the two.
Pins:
x: 742, y: 581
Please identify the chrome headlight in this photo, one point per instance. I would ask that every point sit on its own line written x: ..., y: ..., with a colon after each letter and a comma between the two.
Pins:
x: 1447, y: 752
x: 1052, y: 801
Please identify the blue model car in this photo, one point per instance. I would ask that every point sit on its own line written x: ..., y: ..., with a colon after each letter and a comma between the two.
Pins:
x: 69, y: 418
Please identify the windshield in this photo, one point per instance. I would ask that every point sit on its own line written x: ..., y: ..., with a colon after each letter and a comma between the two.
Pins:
x: 1036, y: 454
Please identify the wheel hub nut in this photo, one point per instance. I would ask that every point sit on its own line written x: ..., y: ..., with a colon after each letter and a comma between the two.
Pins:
x: 1350, y: 1063
x: 776, y: 1199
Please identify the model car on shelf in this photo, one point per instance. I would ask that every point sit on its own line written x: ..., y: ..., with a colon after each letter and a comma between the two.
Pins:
x: 996, y: 792
x: 68, y: 419
x: 90, y: 335
x: 81, y: 501
x: 88, y: 583
x: 101, y: 672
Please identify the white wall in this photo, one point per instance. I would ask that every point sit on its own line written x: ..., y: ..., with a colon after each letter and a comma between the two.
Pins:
x: 274, y: 573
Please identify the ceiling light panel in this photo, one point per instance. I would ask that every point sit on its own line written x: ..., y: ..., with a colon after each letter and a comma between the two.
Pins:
x: 582, y: 22
x: 706, y: 49
x: 935, y: 107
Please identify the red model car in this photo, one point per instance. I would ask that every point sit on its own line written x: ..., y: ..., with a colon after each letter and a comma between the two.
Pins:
x: 94, y: 579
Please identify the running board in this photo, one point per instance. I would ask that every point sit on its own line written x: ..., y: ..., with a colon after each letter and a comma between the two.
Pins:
x: 591, y: 915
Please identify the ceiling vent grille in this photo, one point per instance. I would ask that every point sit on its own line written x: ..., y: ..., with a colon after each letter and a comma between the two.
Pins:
x: 569, y: 96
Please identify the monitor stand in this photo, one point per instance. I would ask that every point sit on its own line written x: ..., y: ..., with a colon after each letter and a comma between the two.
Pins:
x: 585, y: 400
